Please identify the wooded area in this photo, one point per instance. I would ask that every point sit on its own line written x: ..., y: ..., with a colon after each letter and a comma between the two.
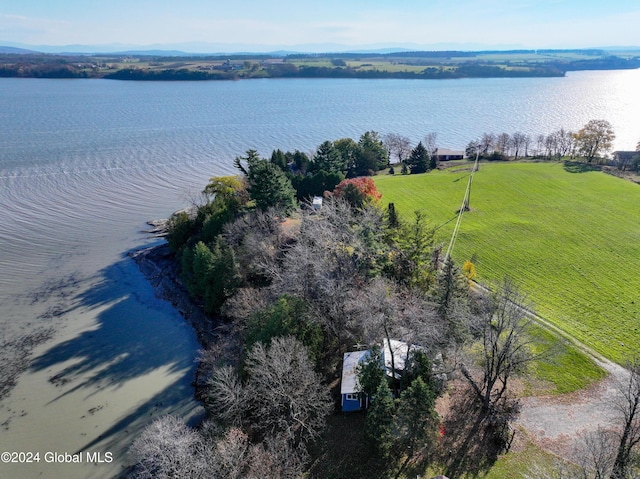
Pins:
x: 292, y: 286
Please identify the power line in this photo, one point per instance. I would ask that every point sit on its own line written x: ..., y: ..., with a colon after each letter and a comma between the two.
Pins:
x: 463, y: 208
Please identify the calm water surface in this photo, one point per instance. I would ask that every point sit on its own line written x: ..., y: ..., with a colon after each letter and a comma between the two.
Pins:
x: 83, y: 165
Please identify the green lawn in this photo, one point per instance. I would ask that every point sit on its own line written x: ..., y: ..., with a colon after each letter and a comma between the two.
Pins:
x: 571, y: 240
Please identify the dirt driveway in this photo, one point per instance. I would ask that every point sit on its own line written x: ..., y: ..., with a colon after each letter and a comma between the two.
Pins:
x: 556, y: 423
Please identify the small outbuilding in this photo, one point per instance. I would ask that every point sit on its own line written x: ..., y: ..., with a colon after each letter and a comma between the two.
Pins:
x: 394, y: 361
x: 394, y: 356
x: 352, y: 399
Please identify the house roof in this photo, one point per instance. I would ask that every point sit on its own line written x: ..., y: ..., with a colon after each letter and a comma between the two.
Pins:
x: 400, y: 351
x: 350, y: 363
x: 625, y: 154
x: 448, y: 152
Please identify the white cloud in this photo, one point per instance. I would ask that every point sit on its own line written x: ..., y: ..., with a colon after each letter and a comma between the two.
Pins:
x: 26, y: 29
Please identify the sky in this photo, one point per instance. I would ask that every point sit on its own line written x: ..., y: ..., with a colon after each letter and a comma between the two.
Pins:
x: 287, y: 23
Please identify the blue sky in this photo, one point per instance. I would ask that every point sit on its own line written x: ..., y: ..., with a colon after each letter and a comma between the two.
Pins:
x: 501, y: 23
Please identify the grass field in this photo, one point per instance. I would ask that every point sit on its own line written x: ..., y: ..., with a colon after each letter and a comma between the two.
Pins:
x: 568, y: 236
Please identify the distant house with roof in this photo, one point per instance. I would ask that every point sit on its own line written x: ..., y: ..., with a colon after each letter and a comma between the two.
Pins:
x: 625, y: 159
x: 445, y: 154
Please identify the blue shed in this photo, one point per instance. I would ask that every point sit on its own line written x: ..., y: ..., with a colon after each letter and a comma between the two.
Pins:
x: 352, y: 400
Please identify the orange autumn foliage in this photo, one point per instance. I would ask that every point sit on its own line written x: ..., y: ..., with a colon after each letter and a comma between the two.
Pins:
x: 365, y: 185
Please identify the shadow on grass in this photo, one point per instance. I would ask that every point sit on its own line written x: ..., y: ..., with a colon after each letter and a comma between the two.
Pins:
x: 345, y: 453
x: 467, y: 448
x: 580, y: 167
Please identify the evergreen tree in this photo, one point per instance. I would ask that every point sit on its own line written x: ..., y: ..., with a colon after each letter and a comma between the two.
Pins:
x: 416, y: 419
x: 289, y: 316
x: 269, y: 186
x: 418, y: 365
x: 210, y: 273
x: 370, y: 372
x: 433, y: 162
x: 414, y: 264
x: 279, y: 159
x: 222, y: 277
x: 393, y: 220
x: 419, y: 159
x: 300, y: 161
x: 186, y: 269
x: 371, y: 143
x: 450, y: 295
x: 349, y: 150
x: 329, y: 159
x: 179, y: 229
x: 379, y: 424
x: 203, y: 260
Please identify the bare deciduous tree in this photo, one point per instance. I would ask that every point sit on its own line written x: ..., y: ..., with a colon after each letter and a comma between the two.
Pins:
x: 503, y: 143
x: 540, y: 143
x: 167, y: 448
x: 487, y: 143
x: 518, y: 140
x: 595, y: 456
x: 227, y: 395
x: 276, y: 458
x: 430, y: 143
x: 629, y: 409
x: 232, y: 454
x: 398, y: 146
x: 257, y: 239
x: 506, y: 348
x: 284, y: 394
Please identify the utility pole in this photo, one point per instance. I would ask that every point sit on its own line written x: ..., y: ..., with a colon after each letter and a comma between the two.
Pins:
x: 474, y: 168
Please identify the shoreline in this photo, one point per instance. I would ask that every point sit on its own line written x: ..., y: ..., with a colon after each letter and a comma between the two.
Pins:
x: 161, y: 271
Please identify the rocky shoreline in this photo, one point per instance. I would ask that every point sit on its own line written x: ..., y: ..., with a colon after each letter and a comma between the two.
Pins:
x: 161, y: 270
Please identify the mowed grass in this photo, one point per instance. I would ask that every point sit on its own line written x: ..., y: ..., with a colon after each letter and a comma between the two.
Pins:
x: 570, y: 240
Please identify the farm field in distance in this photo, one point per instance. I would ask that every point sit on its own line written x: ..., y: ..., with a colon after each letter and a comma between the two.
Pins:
x: 569, y: 237
x: 159, y: 65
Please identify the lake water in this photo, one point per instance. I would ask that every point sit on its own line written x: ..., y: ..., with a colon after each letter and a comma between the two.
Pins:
x: 83, y: 165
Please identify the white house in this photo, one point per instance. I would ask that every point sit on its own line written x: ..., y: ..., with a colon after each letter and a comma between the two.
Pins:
x: 394, y: 361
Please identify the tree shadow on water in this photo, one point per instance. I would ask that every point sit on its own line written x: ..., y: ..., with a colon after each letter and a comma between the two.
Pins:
x: 134, y: 335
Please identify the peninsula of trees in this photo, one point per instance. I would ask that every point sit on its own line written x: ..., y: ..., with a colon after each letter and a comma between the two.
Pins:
x: 409, y: 65
x: 291, y: 286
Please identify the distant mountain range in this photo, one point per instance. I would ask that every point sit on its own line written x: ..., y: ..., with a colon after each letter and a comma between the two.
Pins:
x: 15, y: 50
x: 193, y: 48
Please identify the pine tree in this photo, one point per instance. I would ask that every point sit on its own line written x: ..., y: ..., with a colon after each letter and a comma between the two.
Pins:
x: 393, y: 220
x: 329, y: 159
x: 450, y: 295
x: 222, y: 276
x: 269, y: 187
x: 378, y: 427
x: 416, y: 419
x: 419, y: 159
